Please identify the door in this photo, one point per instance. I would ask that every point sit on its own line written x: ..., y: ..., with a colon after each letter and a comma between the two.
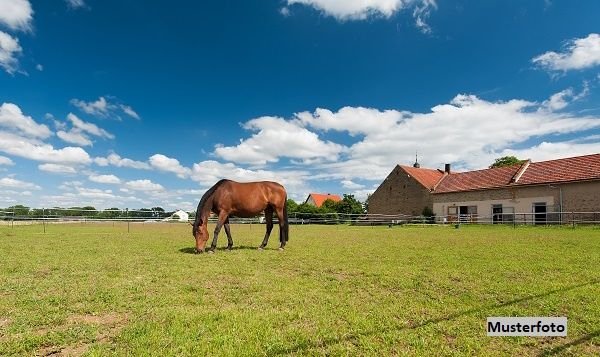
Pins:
x: 539, y: 210
x: 497, y: 214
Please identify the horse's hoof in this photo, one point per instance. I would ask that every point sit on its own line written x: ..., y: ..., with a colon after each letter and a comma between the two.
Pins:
x: 229, y: 248
x: 198, y: 251
x: 211, y: 251
x: 261, y: 248
x: 281, y: 249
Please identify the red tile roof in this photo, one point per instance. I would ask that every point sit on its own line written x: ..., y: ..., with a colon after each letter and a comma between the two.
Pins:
x: 477, y: 180
x: 426, y: 177
x: 562, y: 170
x: 320, y: 198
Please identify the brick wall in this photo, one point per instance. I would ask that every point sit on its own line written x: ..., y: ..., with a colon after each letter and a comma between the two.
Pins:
x: 400, y: 194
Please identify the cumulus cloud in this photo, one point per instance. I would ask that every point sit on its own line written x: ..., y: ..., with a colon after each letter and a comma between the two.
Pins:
x: 363, y: 9
x: 104, y: 108
x: 207, y: 173
x: 12, y: 118
x: 74, y: 137
x: 143, y: 185
x: 6, y: 161
x: 116, y: 160
x: 276, y: 137
x: 9, y: 50
x: 468, y: 132
x: 562, y: 99
x: 167, y: 164
x: 108, y: 179
x: 57, y: 168
x: 349, y: 184
x: 89, y: 128
x: 16, y: 14
x: 14, y: 183
x: 579, y: 53
x: 34, y: 150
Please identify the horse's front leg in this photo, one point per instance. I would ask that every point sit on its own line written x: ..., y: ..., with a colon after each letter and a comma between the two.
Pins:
x: 222, y: 218
x: 228, y: 232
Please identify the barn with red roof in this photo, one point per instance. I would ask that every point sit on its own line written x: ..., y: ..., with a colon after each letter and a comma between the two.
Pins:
x: 529, y: 190
x: 317, y: 199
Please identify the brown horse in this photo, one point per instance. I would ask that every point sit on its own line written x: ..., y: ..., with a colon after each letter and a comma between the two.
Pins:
x: 249, y: 199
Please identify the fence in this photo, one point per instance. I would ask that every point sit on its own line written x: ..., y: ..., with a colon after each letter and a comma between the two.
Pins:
x: 26, y: 215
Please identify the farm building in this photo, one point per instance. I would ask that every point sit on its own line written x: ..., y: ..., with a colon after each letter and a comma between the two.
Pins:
x: 317, y: 199
x: 533, y: 189
x: 179, y: 215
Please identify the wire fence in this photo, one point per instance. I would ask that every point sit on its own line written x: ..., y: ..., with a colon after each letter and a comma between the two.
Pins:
x: 44, y: 216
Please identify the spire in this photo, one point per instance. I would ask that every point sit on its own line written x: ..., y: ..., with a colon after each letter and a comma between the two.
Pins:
x: 416, y: 164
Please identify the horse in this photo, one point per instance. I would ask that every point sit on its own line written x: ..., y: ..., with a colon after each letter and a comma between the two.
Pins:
x: 227, y: 198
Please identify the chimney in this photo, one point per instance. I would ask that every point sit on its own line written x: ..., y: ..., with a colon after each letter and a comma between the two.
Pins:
x: 447, y: 168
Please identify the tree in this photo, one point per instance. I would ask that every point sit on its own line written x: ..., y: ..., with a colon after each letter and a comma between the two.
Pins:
x: 350, y: 205
x: 292, y: 206
x: 19, y: 210
x: 506, y: 161
x: 366, y: 204
x: 158, y: 212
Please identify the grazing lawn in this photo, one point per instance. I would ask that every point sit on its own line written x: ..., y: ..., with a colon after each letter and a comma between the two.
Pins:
x: 99, y: 290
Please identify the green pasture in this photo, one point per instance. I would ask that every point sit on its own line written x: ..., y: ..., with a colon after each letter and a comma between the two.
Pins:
x: 336, y: 290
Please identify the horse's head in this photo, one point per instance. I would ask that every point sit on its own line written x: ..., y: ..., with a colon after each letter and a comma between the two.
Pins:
x: 200, y: 233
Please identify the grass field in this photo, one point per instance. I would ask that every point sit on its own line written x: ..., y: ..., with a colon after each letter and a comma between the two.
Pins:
x: 338, y: 290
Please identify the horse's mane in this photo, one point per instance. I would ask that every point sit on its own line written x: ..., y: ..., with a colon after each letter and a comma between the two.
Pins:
x: 203, y: 202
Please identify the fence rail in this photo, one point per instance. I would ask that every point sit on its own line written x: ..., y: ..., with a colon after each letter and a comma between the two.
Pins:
x: 66, y: 215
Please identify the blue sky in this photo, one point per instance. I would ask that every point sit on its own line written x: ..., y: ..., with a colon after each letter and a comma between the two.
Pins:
x: 140, y: 104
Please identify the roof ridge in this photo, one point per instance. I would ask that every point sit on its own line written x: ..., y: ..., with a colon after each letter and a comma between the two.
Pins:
x: 521, y: 171
x: 445, y: 174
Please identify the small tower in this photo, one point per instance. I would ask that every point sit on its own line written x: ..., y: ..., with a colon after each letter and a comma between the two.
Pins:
x: 416, y: 164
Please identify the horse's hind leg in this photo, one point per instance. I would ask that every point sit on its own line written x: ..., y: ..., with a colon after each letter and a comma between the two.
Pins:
x: 282, y: 228
x: 269, y: 219
x: 228, y: 232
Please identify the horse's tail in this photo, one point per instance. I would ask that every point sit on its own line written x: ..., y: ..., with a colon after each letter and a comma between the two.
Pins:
x: 286, y: 227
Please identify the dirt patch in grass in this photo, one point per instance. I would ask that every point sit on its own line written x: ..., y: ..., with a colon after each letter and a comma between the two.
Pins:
x: 110, y: 325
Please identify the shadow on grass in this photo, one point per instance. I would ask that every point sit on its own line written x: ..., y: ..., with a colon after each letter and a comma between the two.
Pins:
x: 192, y: 250
x: 559, y: 349
x: 354, y: 337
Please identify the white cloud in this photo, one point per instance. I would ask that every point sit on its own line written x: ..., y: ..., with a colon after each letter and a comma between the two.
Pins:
x: 167, y: 164
x: 143, y: 185
x: 16, y: 14
x: 129, y: 111
x: 351, y: 185
x: 74, y: 137
x: 103, y: 108
x: 276, y: 138
x: 363, y: 9
x: 89, y: 128
x: 39, y: 67
x: 57, y: 168
x: 12, y: 117
x: 34, y: 150
x: 9, y: 50
x: 562, y: 99
x: 76, y: 4
x: 207, y: 173
x: 116, y: 160
x: 580, y: 53
x: 108, y: 179
x: 6, y: 161
x: 14, y: 183
x: 468, y: 132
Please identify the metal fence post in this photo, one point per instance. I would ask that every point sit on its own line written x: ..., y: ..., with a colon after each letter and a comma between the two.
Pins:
x: 44, y: 219
x: 127, y: 218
